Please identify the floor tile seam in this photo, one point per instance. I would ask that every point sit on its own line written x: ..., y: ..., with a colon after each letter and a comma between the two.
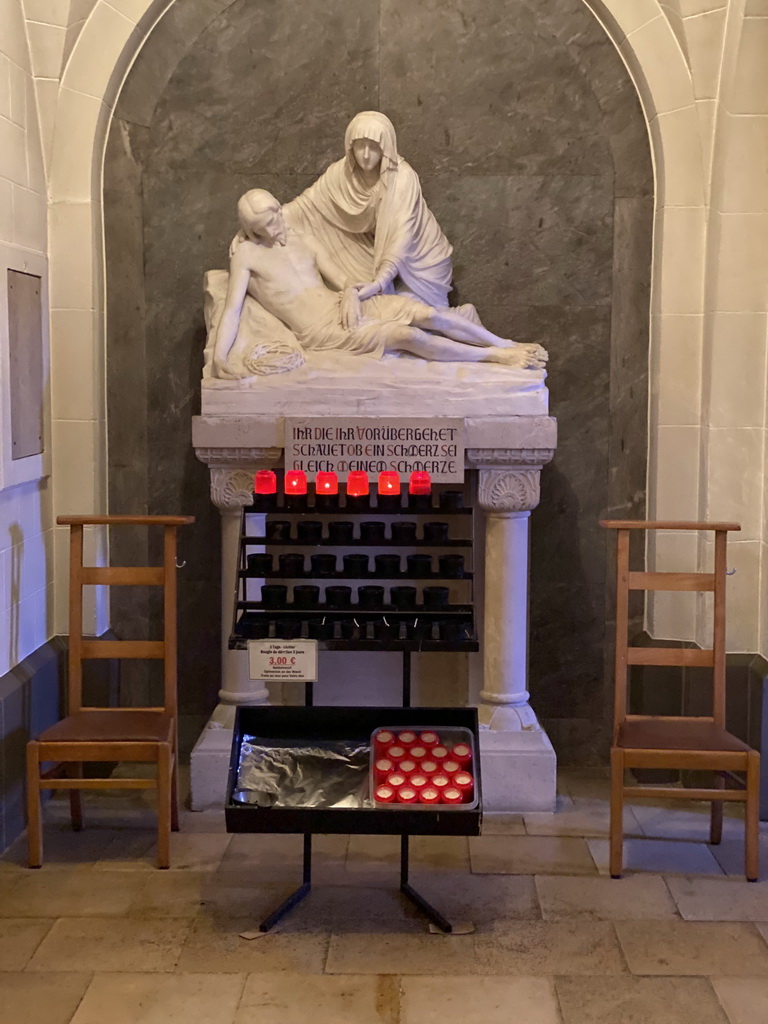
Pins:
x: 675, y: 904
x: 726, y: 1016
x: 52, y: 922
x: 244, y: 976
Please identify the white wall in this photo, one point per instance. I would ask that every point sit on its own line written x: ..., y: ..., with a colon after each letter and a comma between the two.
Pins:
x: 26, y: 534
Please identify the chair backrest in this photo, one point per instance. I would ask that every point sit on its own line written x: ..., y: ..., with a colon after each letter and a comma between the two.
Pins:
x: 80, y: 575
x: 713, y: 582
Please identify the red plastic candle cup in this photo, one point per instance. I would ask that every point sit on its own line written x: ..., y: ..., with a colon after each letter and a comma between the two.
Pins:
x: 429, y: 767
x: 385, y: 795
x: 382, y: 768
x: 440, y: 781
x: 407, y: 795
x: 462, y: 753
x: 429, y: 739
x: 383, y: 740
x: 396, y: 780
x: 407, y: 766
x: 420, y: 491
x: 396, y: 753
x: 417, y: 752
x: 429, y: 795
x: 406, y: 738
x: 389, y: 491
x: 439, y: 753
x: 452, y: 795
x: 358, y: 490
x: 326, y: 492
x: 418, y: 781
x: 296, y: 488
x: 464, y: 782
x: 450, y: 767
x: 265, y: 491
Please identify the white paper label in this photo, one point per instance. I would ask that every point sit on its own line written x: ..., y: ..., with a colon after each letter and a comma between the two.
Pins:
x: 329, y: 444
x: 283, y: 660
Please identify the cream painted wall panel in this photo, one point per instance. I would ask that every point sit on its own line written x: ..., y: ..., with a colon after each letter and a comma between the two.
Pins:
x: 742, y: 253
x: 676, y: 390
x: 632, y: 14
x: 745, y: 167
x: 75, y: 466
x: 735, y: 484
x: 657, y: 51
x: 672, y: 14
x: 13, y: 37
x: 705, y: 47
x: 6, y: 210
x: 77, y: 395
x: 674, y: 490
x: 749, y: 91
x: 99, y: 48
x: 30, y: 223
x: 743, y: 595
x: 678, y: 266
x: 13, y: 152
x: 72, y: 247
x: 17, y: 86
x: 763, y: 611
x: 688, y: 8
x: 72, y: 162
x: 5, y: 86
x: 132, y: 9
x: 51, y: 12
x: 95, y: 604
x: 755, y: 8
x: 706, y: 111
x: 46, y: 44
x: 737, y: 390
x: 672, y: 616
x: 679, y: 167
x: 47, y: 90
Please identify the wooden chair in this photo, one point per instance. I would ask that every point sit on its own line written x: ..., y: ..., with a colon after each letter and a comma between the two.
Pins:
x: 703, y: 743
x: 111, y: 734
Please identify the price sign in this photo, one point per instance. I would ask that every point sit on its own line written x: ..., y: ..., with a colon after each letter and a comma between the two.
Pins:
x: 283, y: 660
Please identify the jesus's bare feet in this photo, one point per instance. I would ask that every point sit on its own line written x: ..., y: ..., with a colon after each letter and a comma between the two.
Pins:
x: 526, y: 357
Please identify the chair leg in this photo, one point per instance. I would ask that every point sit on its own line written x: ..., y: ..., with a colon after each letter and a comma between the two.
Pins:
x: 175, y: 793
x: 164, y: 785
x: 34, y: 813
x: 752, y: 818
x: 617, y: 813
x: 75, y: 771
x: 716, y: 813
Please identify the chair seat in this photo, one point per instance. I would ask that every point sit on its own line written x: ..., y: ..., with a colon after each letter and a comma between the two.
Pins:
x: 124, y: 726
x: 650, y: 734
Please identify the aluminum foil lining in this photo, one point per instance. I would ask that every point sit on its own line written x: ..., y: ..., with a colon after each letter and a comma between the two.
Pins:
x: 294, y: 773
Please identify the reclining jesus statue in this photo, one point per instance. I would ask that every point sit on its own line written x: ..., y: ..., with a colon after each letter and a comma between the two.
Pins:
x: 291, y: 276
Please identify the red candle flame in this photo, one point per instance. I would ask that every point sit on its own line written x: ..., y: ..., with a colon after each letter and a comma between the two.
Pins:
x: 327, y: 483
x: 265, y: 482
x: 389, y: 483
x: 295, y: 482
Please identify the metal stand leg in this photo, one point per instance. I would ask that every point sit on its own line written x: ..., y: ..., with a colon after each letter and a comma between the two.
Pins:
x: 407, y: 889
x: 297, y: 896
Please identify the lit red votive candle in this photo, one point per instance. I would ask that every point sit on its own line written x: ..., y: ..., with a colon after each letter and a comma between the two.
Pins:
x: 357, y: 484
x: 429, y: 739
x: 265, y: 490
x: 385, y: 795
x: 439, y: 753
x: 462, y: 753
x: 397, y: 753
x: 389, y: 490
x: 326, y: 491
x: 440, y: 782
x: 417, y: 752
x: 450, y: 767
x: 452, y: 795
x: 429, y: 795
x: 295, y: 485
x: 383, y: 767
x: 420, y: 483
x: 407, y: 766
x: 396, y: 780
x: 429, y: 767
x: 407, y: 795
x: 406, y: 738
x: 464, y: 782
x: 418, y: 781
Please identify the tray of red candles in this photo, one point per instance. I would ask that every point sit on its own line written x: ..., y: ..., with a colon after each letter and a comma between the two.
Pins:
x: 424, y: 767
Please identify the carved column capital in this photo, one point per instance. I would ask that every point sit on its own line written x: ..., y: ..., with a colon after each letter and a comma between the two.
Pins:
x: 513, y: 489
x: 232, y: 471
x: 510, y: 457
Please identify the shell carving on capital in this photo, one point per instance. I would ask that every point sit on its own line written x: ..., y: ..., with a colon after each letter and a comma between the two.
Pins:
x: 508, y: 490
x: 231, y: 488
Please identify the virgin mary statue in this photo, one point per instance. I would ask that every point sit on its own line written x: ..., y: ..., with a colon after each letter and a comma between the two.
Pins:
x: 368, y: 212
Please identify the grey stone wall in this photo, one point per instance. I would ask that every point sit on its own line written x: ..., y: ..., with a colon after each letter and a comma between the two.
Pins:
x: 528, y: 137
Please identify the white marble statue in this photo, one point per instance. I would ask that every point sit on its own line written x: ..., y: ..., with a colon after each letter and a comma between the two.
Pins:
x: 293, y: 278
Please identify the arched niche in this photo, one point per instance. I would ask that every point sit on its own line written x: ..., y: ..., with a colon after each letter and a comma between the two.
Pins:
x: 533, y: 151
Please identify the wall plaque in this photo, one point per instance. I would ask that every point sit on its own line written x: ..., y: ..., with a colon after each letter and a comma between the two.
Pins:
x: 325, y: 444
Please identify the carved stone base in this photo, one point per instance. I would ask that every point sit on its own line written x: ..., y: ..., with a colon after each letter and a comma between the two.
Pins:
x: 506, y: 717
x: 519, y: 771
x: 209, y: 765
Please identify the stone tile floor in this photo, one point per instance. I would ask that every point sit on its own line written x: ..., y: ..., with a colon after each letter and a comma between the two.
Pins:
x: 98, y: 936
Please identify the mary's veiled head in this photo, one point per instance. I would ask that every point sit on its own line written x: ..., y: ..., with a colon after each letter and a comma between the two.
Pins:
x: 376, y: 127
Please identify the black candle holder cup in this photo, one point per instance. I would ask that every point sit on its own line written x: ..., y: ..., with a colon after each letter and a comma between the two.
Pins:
x: 323, y: 564
x: 372, y: 532
x: 404, y: 533
x: 277, y: 530
x: 296, y: 502
x: 357, y: 502
x: 435, y: 533
x: 338, y: 597
x: 318, y: 629
x: 385, y: 630
x: 259, y: 564
x: 419, y: 565
x: 287, y: 629
x: 451, y: 501
x: 420, y: 502
x: 306, y: 596
x: 389, y: 502
x: 274, y: 595
x: 310, y: 531
x: 371, y: 598
x: 341, y: 532
x: 291, y: 564
x: 264, y: 503
x: 403, y: 598
x: 435, y: 598
x: 356, y: 565
x: 326, y: 502
x: 452, y: 566
x: 387, y: 565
